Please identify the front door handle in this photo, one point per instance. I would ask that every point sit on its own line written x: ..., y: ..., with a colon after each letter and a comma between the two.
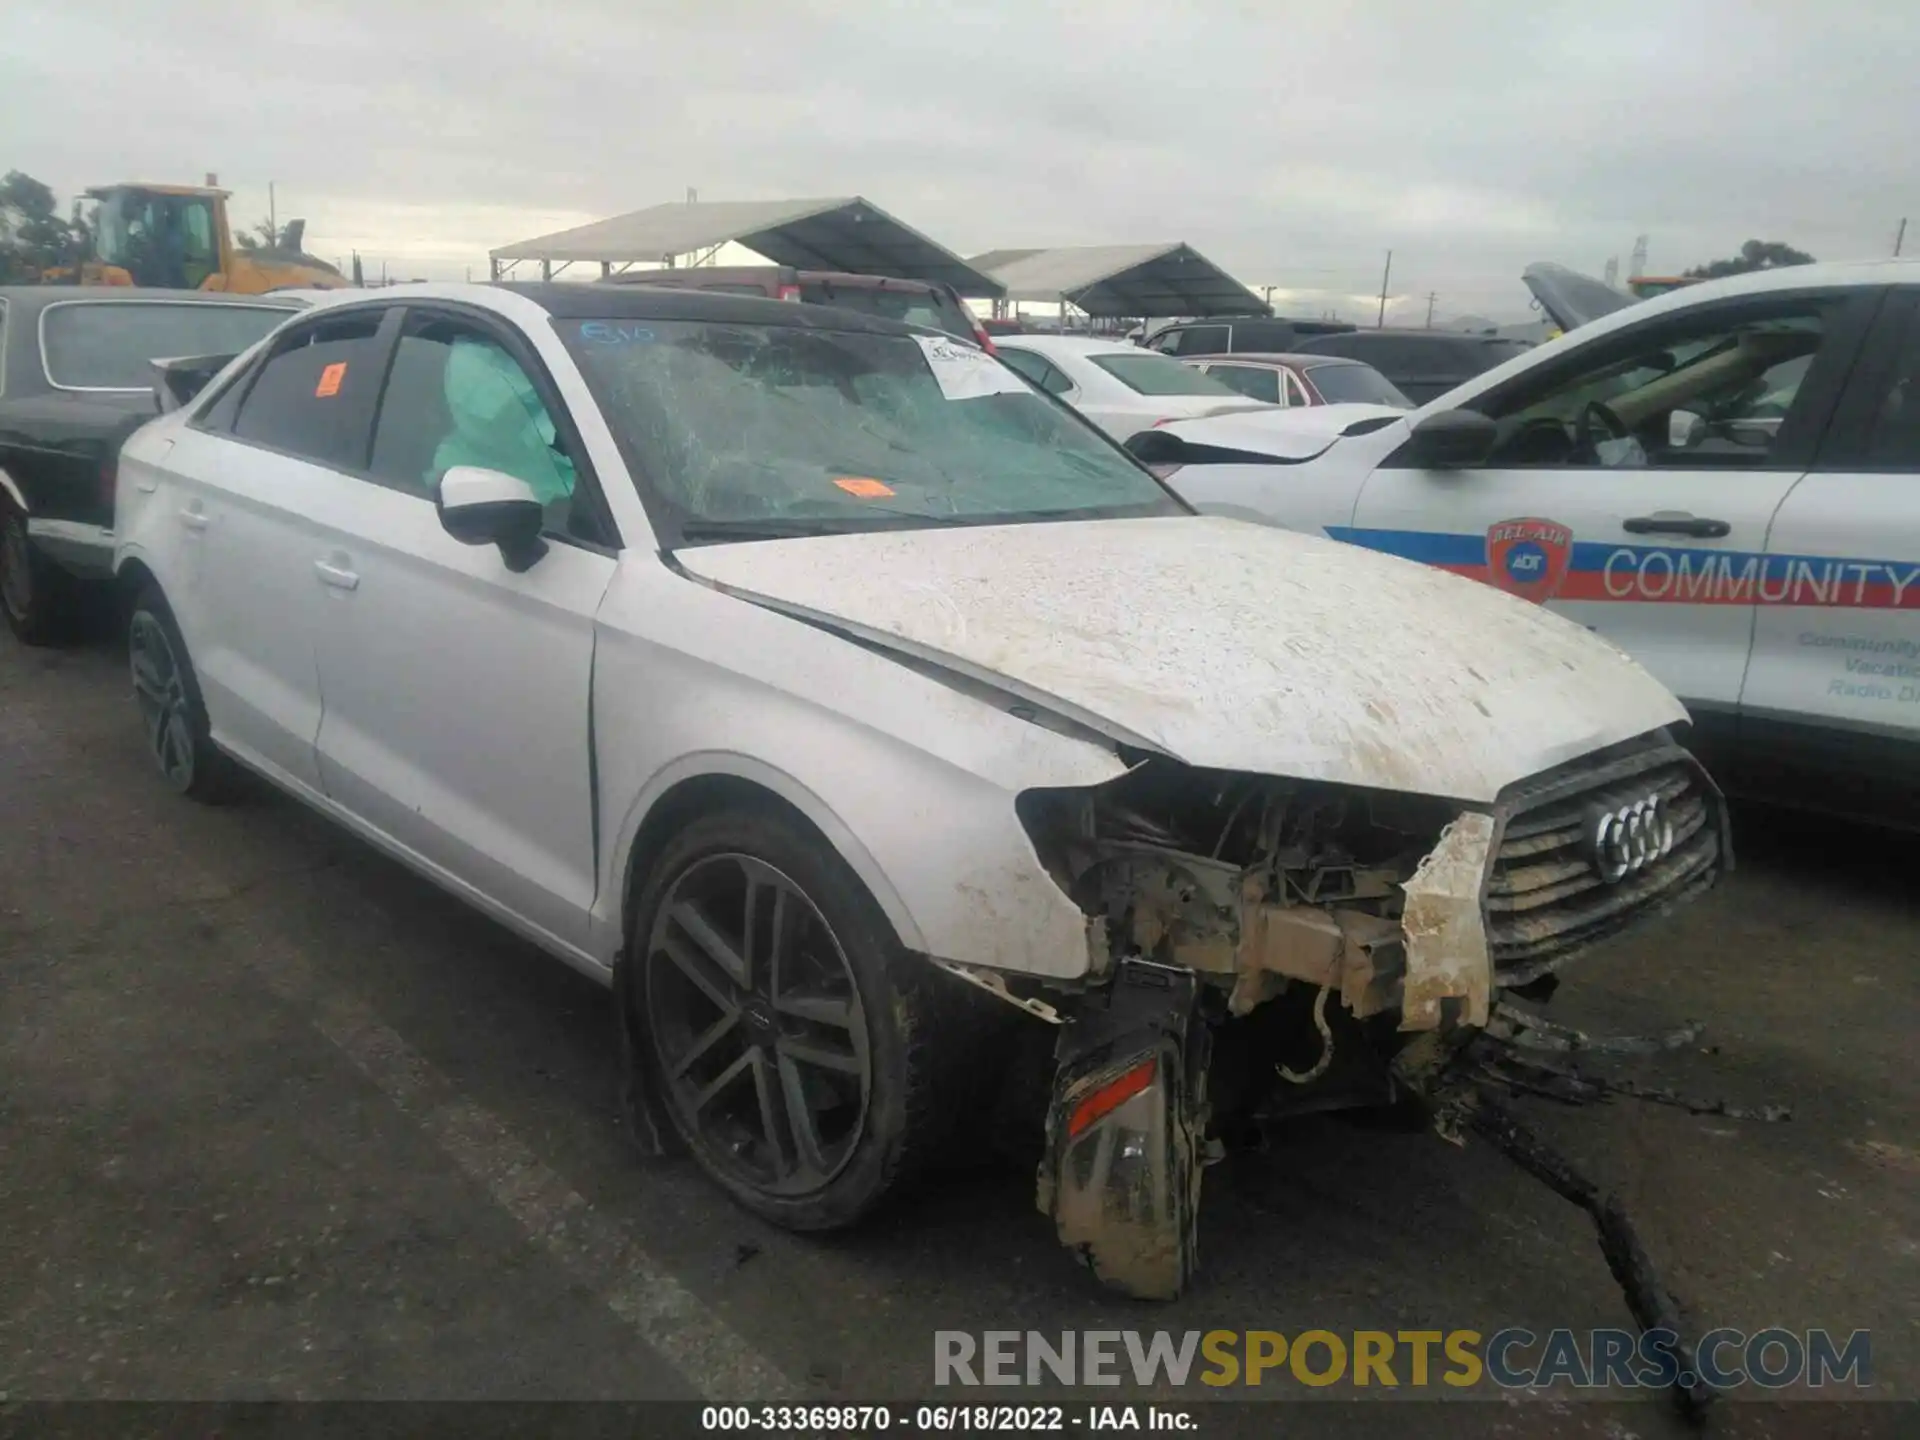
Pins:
x: 193, y: 519
x: 1677, y: 522
x: 337, y: 576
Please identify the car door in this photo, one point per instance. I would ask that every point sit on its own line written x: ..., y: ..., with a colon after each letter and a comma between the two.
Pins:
x: 1833, y: 688
x: 243, y: 481
x: 1627, y: 489
x: 457, y: 692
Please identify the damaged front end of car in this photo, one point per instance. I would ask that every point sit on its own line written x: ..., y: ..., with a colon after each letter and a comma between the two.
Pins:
x: 1263, y: 946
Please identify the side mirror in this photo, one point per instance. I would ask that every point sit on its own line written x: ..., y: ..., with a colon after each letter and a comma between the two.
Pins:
x: 1451, y: 440
x: 1685, y: 429
x: 489, y: 507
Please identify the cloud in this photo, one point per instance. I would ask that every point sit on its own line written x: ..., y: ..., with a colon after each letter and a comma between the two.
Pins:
x: 1293, y: 142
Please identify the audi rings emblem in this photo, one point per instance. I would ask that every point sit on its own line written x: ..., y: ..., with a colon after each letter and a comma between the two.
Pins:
x: 1630, y: 838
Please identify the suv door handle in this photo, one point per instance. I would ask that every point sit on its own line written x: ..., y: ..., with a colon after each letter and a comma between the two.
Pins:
x: 1677, y: 522
x: 336, y: 576
x: 193, y: 519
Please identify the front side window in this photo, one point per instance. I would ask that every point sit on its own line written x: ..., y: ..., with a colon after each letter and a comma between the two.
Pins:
x: 1713, y: 394
x: 1250, y: 380
x: 110, y: 344
x: 736, y: 430
x: 455, y: 396
x: 312, y: 396
x: 1893, y: 435
x: 1157, y: 375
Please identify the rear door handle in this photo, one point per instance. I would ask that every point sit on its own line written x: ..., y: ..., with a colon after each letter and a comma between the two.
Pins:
x: 193, y: 519
x: 1677, y: 522
x: 336, y: 576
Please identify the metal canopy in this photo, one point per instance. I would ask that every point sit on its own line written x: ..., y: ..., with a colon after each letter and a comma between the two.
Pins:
x: 847, y: 234
x: 1122, y: 280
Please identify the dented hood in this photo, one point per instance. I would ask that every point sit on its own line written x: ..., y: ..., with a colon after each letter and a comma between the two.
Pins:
x: 1226, y: 644
x: 1299, y: 433
x: 1570, y: 298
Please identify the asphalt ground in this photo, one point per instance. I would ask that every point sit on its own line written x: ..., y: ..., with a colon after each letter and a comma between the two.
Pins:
x: 280, y: 1121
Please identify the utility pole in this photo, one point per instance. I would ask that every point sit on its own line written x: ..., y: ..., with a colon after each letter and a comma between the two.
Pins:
x: 1380, y: 321
x: 273, y: 214
x: 1899, y: 237
x: 1431, y: 297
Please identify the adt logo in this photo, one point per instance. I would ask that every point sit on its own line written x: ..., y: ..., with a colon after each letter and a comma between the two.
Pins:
x: 1529, y: 557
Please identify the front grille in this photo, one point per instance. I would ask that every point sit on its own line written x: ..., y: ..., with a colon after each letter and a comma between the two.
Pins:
x: 1546, y: 898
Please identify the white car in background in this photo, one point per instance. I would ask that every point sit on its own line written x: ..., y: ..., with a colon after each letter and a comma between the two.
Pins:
x: 882, y: 734
x: 1724, y: 481
x: 1119, y: 387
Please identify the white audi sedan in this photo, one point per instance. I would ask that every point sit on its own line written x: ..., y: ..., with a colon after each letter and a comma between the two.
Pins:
x: 1121, y: 388
x: 881, y: 733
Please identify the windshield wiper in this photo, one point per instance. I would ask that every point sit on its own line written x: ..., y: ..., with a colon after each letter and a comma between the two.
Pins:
x: 696, y: 531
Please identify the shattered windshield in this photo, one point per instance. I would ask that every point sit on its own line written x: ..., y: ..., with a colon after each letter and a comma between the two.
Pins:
x: 738, y: 430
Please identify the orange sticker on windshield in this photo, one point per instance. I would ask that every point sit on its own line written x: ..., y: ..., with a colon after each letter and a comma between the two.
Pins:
x: 330, y: 379
x: 865, y: 488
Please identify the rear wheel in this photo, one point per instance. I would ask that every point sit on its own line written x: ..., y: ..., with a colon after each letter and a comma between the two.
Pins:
x: 791, y: 1040
x: 34, y: 592
x: 173, y: 717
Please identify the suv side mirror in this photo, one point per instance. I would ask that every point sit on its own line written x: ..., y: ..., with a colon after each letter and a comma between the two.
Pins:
x: 1451, y: 440
x: 490, y: 507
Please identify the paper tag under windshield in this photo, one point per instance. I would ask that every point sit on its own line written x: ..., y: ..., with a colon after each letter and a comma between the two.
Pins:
x: 965, y: 372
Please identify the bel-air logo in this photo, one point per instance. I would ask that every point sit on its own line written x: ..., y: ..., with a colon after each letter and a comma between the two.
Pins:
x: 1529, y: 557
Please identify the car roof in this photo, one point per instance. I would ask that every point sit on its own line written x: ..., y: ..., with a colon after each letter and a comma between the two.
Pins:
x: 661, y: 302
x: 1070, y: 345
x: 39, y: 297
x: 721, y: 273
x: 1268, y: 357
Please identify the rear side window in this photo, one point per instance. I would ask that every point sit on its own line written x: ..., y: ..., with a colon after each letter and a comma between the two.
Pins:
x: 313, y: 396
x: 931, y: 307
x: 1040, y: 371
x: 1250, y: 380
x: 1146, y: 374
x: 109, y: 344
x: 1339, y: 384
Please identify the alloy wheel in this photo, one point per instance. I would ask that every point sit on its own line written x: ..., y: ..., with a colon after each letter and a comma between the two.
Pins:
x: 757, y: 1023
x: 160, y: 690
x: 16, y: 567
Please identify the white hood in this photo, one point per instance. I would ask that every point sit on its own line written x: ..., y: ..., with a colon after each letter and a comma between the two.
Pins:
x: 1228, y: 645
x: 1297, y: 433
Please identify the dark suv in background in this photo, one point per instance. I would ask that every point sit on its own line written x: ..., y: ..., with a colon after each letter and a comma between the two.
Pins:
x: 912, y: 302
x: 1263, y: 334
x: 1421, y: 364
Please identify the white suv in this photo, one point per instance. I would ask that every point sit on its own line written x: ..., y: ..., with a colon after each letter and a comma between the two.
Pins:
x: 1725, y: 481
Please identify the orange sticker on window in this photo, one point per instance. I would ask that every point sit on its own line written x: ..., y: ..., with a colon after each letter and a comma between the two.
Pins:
x: 865, y: 488
x: 330, y: 379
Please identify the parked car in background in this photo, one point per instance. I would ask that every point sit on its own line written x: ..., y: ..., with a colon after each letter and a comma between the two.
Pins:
x: 912, y: 302
x: 75, y: 381
x: 1748, y: 524
x: 1119, y: 387
x: 1420, y: 364
x: 1295, y: 380
x: 1260, y: 334
x: 860, y: 717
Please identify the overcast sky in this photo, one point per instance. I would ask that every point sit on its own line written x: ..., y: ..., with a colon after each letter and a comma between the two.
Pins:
x: 1294, y: 143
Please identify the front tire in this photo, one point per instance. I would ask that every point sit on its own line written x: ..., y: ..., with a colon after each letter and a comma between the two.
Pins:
x: 792, y: 1045
x: 35, y: 594
x: 172, y: 713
